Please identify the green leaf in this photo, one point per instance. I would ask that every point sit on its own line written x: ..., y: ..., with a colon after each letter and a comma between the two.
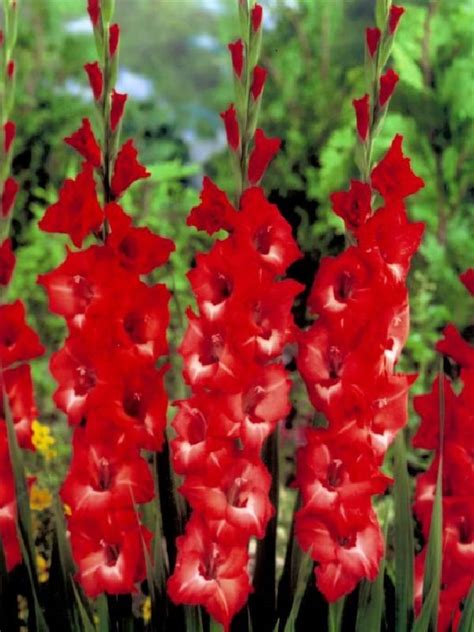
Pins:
x: 466, y: 624
x: 304, y: 573
x: 371, y: 597
x: 40, y: 624
x: 428, y: 619
x: 335, y: 612
x: 102, y: 610
x: 87, y: 625
x: 404, y: 544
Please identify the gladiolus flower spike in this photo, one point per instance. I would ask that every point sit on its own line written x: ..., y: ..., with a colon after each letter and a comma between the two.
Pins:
x: 108, y: 383
x: 232, y: 354
x: 18, y: 342
x: 347, y: 359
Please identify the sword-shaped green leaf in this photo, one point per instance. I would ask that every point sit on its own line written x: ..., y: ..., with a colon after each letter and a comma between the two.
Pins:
x: 466, y: 624
x: 404, y: 543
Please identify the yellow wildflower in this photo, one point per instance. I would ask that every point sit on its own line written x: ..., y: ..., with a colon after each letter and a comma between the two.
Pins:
x: 43, y: 568
x: 43, y: 440
x: 146, y: 610
x: 40, y: 498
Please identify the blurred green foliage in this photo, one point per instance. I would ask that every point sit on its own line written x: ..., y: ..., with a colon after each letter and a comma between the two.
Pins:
x: 175, y: 61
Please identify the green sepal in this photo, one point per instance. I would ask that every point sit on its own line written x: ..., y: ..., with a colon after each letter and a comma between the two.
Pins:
x: 255, y: 47
x: 240, y: 98
x: 113, y: 69
x: 381, y: 13
x: 11, y: 26
x: 108, y: 8
x: 254, y: 109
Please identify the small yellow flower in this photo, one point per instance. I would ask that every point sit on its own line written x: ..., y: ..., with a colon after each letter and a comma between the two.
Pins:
x: 22, y: 608
x: 146, y: 610
x: 40, y: 498
x: 43, y: 440
x: 43, y: 568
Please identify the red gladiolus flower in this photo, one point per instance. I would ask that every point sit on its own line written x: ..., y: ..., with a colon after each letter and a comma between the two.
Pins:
x: 7, y: 262
x: 458, y: 480
x: 394, y: 18
x: 19, y: 391
x: 84, y: 142
x: 9, y: 130
x: 117, y: 109
x: 18, y: 342
x: 210, y: 573
x: 133, y: 398
x: 388, y: 81
x: 234, y: 492
x: 231, y: 127
x: 96, y: 79
x: 107, y: 474
x: 393, y: 177
x: 345, y: 556
x: 109, y: 558
x: 74, y: 368
x: 77, y: 213
x: 258, y: 81
x: 8, y: 512
x: 468, y: 279
x: 215, y: 212
x: 353, y: 206
x: 81, y: 281
x: 377, y: 236
x: 454, y: 346
x: 237, y: 53
x: 362, y: 110
x: 114, y: 36
x: 138, y: 249
x: 372, y: 39
x: 10, y: 189
x: 261, y: 225
x: 264, y: 151
x: 127, y: 169
x: 256, y: 17
x: 93, y: 9
x: 10, y: 69
x: 135, y: 321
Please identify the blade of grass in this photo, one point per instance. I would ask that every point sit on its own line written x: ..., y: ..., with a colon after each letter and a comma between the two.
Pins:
x: 404, y: 542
